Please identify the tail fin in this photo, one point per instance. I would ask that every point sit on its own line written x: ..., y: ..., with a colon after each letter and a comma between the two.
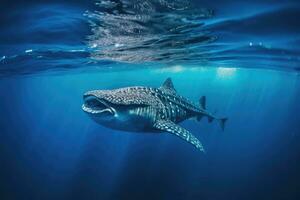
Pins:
x: 222, y: 123
x: 202, y: 102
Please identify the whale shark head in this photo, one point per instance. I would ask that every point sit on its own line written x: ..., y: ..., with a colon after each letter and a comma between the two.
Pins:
x: 99, y: 106
x: 119, y: 108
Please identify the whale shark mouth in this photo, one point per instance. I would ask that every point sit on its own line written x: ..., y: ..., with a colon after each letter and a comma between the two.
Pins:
x: 94, y: 105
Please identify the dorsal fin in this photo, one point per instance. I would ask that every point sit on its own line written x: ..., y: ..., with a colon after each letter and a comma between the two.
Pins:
x: 168, y: 84
x: 202, y: 102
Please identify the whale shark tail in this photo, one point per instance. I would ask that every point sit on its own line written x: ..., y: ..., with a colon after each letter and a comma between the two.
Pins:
x: 210, y: 117
x: 222, y: 122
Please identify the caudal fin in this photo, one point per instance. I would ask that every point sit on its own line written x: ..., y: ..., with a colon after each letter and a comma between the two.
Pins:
x: 222, y: 123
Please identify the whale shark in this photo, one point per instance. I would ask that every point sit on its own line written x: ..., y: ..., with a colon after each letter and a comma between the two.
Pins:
x: 147, y: 109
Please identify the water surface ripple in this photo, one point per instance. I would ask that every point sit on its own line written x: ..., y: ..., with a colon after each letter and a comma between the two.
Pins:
x: 108, y: 34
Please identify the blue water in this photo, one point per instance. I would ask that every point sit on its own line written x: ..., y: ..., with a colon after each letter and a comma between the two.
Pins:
x: 243, y: 56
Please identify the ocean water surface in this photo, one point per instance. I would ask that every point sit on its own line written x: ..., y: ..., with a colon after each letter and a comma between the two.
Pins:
x: 244, y: 56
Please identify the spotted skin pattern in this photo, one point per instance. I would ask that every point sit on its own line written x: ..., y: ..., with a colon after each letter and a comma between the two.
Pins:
x: 171, y: 127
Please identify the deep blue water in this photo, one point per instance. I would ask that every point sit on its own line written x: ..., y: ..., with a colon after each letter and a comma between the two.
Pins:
x: 243, y: 56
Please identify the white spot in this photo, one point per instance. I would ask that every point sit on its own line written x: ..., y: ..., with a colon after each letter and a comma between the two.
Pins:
x: 94, y: 45
x: 77, y: 50
x: 28, y: 51
x: 118, y: 45
x: 250, y: 44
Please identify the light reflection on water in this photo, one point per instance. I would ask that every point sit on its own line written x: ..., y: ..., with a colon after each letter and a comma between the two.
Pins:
x: 73, y: 37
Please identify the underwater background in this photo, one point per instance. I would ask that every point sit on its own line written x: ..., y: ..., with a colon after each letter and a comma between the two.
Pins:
x: 244, y: 56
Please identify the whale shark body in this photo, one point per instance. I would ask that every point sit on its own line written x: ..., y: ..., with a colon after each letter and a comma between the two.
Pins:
x: 146, y: 109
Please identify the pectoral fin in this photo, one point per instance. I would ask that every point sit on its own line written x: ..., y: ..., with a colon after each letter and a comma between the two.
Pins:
x: 171, y: 127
